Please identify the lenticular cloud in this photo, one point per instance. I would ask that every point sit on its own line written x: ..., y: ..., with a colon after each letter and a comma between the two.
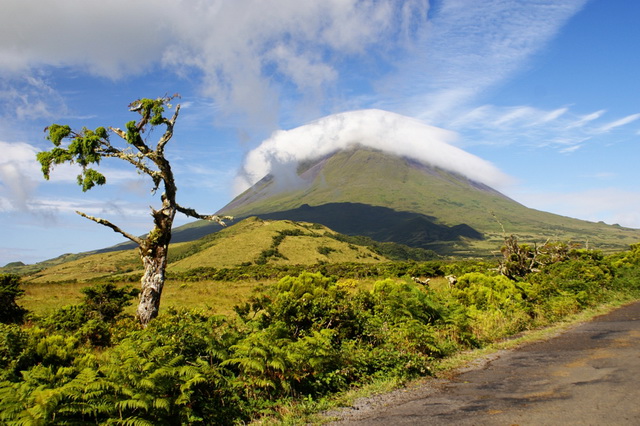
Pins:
x: 386, y: 131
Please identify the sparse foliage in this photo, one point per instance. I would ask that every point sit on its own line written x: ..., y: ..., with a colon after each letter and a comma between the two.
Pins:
x: 519, y: 260
x: 88, y: 148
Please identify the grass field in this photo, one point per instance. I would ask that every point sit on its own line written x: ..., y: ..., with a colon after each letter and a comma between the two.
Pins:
x: 218, y: 297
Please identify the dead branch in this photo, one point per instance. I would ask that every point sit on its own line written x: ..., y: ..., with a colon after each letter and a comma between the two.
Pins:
x: 214, y: 218
x: 108, y: 224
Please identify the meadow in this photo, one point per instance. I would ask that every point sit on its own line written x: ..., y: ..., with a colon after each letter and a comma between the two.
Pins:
x: 215, y: 296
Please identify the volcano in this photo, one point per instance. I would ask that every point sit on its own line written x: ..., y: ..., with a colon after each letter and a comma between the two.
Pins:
x: 363, y: 191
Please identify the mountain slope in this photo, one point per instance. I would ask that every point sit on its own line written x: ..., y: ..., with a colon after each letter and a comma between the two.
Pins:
x: 251, y: 241
x: 367, y: 192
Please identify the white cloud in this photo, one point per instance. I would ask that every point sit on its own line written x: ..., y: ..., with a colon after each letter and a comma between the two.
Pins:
x: 17, y: 170
x: 570, y: 149
x: 29, y: 96
x: 21, y: 174
x: 107, y: 38
x: 251, y: 52
x: 618, y: 123
x: 247, y: 52
x: 560, y: 129
x: 553, y: 115
x: 378, y: 129
x: 94, y: 207
x: 585, y: 119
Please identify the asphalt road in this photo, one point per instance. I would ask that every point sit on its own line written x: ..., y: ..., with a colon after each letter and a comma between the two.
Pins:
x: 588, y: 375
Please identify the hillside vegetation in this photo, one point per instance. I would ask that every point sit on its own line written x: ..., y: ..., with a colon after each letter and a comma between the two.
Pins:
x: 357, y: 193
x: 252, y: 241
x: 286, y: 347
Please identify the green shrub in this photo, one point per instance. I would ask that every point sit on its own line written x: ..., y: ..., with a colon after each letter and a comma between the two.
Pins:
x: 325, y: 250
x: 13, y: 341
x: 400, y: 301
x: 10, y: 290
x: 92, y: 320
x: 168, y: 373
x: 106, y: 302
x: 164, y: 378
x: 586, y: 279
x: 307, y: 303
x: 490, y: 292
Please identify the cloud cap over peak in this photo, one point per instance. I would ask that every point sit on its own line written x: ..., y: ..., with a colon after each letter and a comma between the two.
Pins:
x: 389, y: 132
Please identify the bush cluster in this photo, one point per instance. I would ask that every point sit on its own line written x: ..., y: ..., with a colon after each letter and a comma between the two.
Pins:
x: 305, y: 337
x: 345, y: 270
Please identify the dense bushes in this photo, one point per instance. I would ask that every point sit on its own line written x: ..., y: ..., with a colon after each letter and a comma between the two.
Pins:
x: 329, y: 337
x: 160, y: 375
x: 307, y: 335
x: 260, y: 271
x: 304, y: 337
x: 90, y: 321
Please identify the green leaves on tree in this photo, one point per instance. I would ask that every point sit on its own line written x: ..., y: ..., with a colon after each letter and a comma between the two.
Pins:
x: 85, y: 148
x: 57, y: 133
x: 132, y: 132
x: 90, y: 178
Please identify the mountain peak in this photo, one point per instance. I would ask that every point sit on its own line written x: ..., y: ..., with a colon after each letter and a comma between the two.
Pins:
x: 358, y: 174
x: 375, y: 129
x: 365, y: 191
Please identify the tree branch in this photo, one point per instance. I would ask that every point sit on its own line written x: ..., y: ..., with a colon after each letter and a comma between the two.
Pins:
x: 168, y: 134
x: 108, y: 224
x: 136, y: 160
x: 196, y: 215
x: 119, y: 132
x: 138, y: 142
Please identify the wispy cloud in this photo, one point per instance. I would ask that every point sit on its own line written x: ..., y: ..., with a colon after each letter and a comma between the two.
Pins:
x: 560, y: 129
x: 618, y: 123
x: 585, y: 119
x: 471, y: 46
x: 247, y: 53
x: 92, y: 206
x: 29, y: 96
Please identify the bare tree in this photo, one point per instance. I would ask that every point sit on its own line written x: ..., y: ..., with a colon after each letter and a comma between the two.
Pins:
x: 87, y: 147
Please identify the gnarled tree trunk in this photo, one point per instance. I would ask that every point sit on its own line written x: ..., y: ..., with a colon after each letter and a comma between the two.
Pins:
x: 152, y: 282
x: 153, y: 252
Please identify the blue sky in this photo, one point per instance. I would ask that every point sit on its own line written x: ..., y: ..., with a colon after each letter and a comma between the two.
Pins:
x: 537, y: 97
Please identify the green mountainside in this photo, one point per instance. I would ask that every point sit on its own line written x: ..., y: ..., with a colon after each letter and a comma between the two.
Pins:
x: 23, y: 269
x: 389, y: 198
x: 252, y: 241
